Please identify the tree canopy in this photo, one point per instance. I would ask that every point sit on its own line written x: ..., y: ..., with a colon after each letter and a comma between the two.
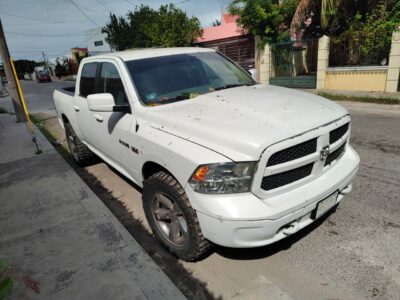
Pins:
x: 145, y: 27
x: 23, y: 66
x: 275, y: 20
x: 269, y: 19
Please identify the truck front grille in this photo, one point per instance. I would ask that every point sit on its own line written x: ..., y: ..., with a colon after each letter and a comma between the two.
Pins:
x: 277, y: 180
x: 293, y: 152
x: 288, y: 162
x: 335, y: 155
x: 336, y: 134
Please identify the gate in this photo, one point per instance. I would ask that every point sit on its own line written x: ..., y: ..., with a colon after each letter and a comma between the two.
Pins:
x: 294, y: 64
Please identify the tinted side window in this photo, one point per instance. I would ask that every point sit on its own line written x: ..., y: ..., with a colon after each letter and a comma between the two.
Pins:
x: 88, y: 77
x: 110, y: 82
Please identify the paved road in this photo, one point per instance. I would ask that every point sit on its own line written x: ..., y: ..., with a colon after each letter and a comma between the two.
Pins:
x: 351, y: 254
x: 38, y: 96
x: 60, y: 240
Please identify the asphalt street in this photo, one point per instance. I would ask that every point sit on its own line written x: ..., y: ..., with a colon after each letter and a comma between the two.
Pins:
x: 353, y: 253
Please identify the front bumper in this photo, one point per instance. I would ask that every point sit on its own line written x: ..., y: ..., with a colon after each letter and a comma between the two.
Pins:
x: 244, y: 220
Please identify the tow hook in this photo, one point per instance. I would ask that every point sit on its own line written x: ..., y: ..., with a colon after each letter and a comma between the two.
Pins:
x: 347, y: 189
x: 290, y: 228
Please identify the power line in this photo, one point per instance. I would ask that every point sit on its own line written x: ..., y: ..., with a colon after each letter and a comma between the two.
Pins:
x: 83, y: 13
x: 107, y: 6
x: 37, y: 20
x: 92, y: 10
x: 44, y: 35
x: 131, y: 3
x: 184, y: 1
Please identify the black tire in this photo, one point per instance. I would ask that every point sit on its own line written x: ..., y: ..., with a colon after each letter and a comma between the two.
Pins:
x: 81, y: 154
x: 194, y: 244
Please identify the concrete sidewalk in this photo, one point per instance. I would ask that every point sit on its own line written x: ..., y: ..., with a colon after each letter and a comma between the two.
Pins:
x: 61, y: 241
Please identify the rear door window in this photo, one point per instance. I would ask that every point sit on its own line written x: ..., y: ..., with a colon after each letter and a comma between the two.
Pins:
x: 87, y: 84
x: 110, y: 82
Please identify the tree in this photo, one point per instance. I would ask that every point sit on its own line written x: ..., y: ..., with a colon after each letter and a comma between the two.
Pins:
x: 367, y: 40
x: 145, y: 27
x: 269, y: 19
x: 23, y: 66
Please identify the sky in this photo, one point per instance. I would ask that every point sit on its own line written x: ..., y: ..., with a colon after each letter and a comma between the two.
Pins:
x: 56, y: 26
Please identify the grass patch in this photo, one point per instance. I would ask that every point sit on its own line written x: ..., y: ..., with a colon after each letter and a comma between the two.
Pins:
x: 40, y: 123
x: 338, y: 97
x: 3, y: 111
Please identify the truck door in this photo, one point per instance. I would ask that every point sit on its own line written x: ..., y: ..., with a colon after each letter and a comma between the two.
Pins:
x: 87, y: 86
x: 111, y: 133
x: 117, y: 127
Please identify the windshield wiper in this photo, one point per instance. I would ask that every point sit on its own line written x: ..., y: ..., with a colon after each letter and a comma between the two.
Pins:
x: 228, y: 86
x: 182, y: 96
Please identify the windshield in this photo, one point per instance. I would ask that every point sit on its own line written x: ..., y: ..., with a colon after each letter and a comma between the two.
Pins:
x: 167, y: 79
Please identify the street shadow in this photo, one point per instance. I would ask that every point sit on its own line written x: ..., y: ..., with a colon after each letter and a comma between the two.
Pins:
x: 190, y: 286
x: 269, y: 250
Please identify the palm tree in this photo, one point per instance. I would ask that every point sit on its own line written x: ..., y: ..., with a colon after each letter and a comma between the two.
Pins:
x: 307, y: 7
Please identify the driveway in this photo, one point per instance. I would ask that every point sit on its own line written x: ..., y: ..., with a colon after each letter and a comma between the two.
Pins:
x: 352, y: 253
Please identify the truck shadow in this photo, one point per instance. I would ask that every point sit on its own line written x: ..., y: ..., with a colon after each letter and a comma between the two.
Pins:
x: 190, y: 286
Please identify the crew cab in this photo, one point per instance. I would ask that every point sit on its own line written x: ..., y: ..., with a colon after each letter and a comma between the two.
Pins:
x: 221, y: 158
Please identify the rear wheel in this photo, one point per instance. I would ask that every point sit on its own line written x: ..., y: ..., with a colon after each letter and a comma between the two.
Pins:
x: 80, y: 152
x: 171, y: 217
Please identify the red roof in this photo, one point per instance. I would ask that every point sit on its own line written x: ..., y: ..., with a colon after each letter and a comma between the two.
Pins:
x: 80, y: 49
x: 227, y: 18
x: 227, y: 29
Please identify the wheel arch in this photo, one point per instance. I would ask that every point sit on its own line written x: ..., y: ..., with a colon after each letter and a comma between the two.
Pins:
x: 64, y: 119
x: 150, y: 168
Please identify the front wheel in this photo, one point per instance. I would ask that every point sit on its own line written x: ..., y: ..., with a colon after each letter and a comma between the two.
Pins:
x: 171, y: 217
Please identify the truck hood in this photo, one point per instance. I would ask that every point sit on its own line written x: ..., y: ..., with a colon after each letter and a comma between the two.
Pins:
x: 241, y: 122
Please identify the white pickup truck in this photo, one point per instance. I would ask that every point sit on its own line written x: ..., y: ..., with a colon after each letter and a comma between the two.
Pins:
x: 221, y: 158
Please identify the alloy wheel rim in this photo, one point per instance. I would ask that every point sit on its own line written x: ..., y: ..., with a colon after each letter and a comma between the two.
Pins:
x: 72, y: 147
x: 169, y: 219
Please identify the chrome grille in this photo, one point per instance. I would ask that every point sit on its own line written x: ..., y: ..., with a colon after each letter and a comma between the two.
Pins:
x: 288, y: 162
x: 293, y: 152
x: 284, y: 178
x: 336, y: 134
x: 335, y: 155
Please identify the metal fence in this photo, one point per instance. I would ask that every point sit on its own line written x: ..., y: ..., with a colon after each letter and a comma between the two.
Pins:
x: 294, y: 63
x: 344, y: 51
x: 294, y: 58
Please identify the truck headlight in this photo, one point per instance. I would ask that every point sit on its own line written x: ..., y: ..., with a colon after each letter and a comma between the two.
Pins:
x: 223, y: 178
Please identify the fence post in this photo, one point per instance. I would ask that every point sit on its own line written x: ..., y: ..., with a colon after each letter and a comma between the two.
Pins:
x: 392, y: 79
x: 323, y: 61
x: 262, y: 61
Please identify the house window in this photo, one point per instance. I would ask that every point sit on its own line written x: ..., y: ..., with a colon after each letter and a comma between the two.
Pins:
x: 98, y: 43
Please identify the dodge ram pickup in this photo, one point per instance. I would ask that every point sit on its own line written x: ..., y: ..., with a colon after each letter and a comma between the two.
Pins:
x: 221, y: 158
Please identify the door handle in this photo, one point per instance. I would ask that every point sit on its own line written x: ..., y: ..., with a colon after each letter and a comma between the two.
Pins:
x: 76, y: 107
x: 99, y: 118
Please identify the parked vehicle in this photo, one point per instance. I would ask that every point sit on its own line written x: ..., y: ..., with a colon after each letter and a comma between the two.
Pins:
x: 221, y: 159
x: 43, y: 76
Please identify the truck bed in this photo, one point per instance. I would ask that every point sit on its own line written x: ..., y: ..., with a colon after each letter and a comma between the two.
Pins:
x: 63, y: 102
x: 70, y: 90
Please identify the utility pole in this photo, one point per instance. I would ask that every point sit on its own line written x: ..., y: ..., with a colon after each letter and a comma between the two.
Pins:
x: 12, y: 86
x: 45, y: 62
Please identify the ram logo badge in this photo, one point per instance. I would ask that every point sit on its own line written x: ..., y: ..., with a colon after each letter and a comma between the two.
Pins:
x: 324, y: 153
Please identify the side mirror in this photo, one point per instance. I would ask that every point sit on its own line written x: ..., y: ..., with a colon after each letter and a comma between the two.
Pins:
x: 105, y: 103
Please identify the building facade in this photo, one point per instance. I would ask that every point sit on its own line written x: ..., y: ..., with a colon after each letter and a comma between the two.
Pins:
x: 96, y: 42
x: 231, y: 40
